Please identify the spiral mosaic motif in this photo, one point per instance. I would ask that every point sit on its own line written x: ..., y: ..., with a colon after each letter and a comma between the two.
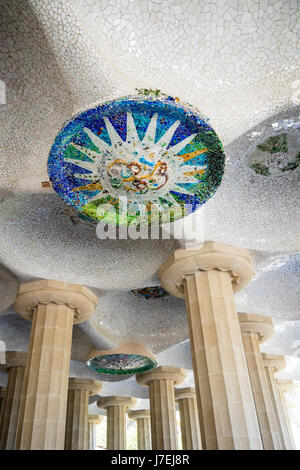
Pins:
x: 120, y: 363
x: 158, y: 155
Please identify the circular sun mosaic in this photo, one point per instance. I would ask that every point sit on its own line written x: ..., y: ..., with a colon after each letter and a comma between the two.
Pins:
x: 119, y: 363
x: 145, y: 159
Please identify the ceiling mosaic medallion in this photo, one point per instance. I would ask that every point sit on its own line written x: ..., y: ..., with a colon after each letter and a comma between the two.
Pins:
x: 276, y: 155
x: 120, y: 364
x: 128, y: 358
x: 145, y: 159
x: 151, y: 292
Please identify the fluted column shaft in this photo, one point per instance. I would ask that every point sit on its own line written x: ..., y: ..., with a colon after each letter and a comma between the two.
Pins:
x: 161, y: 382
x: 2, y: 396
x: 77, y: 430
x: 44, y: 398
x: 256, y: 329
x: 163, y: 415
x: 93, y: 420
x: 207, y: 277
x: 116, y: 427
x: 77, y: 420
x: 116, y: 420
x: 92, y: 435
x: 11, y: 407
x: 276, y: 404
x: 143, y: 433
x: 53, y: 307
x: 189, y: 422
x: 11, y: 404
x: 261, y: 394
x: 288, y: 433
x: 226, y: 408
x: 272, y: 365
x: 142, y: 418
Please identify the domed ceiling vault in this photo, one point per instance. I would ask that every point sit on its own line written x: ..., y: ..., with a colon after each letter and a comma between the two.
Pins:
x: 237, y: 63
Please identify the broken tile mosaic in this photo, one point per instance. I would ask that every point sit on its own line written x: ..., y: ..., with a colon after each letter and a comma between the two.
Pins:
x: 121, y: 363
x: 152, y: 292
x: 276, y: 155
x: 159, y: 153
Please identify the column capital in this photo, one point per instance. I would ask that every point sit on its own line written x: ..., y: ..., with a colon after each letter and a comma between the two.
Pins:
x: 176, y: 374
x: 137, y: 414
x: 186, y: 392
x: 105, y: 402
x: 93, y: 386
x: 15, y: 359
x: 276, y: 361
x: 2, y: 392
x: 77, y: 297
x: 95, y: 419
x: 285, y: 385
x: 262, y: 326
x: 209, y: 256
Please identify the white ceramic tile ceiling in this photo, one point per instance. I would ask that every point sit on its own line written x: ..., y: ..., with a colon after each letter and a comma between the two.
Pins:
x: 235, y: 60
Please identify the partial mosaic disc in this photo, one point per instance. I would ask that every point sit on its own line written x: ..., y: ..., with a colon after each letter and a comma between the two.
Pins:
x: 145, y: 159
x: 121, y: 363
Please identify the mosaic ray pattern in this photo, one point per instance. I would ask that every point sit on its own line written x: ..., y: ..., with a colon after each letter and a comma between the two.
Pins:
x: 121, y: 363
x: 146, y: 158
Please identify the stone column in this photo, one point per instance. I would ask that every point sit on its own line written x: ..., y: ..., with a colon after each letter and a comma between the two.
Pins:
x: 116, y: 420
x: 142, y: 418
x: 15, y: 362
x: 53, y: 307
x: 93, y: 420
x: 77, y: 429
x: 255, y: 330
x: 273, y: 364
x: 2, y: 396
x: 161, y: 382
x: 207, y: 278
x: 284, y: 386
x: 189, y: 422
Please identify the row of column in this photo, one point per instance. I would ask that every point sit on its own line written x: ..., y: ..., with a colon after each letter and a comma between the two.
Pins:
x: 230, y: 415
x: 80, y: 427
x: 270, y: 407
x: 40, y: 382
x: 161, y: 418
x: 238, y: 404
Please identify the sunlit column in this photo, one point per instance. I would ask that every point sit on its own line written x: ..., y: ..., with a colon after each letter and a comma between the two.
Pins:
x: 255, y: 330
x: 77, y: 429
x: 207, y: 278
x: 285, y: 385
x: 273, y: 364
x: 53, y: 307
x: 142, y: 418
x: 189, y: 422
x: 161, y: 382
x: 116, y: 420
x: 93, y: 420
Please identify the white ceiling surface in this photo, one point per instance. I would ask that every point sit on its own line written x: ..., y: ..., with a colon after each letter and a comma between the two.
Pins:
x: 236, y: 61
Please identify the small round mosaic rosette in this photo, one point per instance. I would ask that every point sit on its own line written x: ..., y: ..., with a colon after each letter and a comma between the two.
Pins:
x: 138, y: 159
